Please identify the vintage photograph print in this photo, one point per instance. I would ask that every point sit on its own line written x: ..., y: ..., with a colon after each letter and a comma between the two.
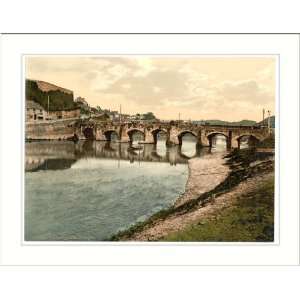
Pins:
x: 149, y: 148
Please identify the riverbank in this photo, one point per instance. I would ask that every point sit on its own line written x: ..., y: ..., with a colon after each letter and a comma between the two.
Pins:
x: 247, y: 169
x: 205, y: 173
x: 245, y: 214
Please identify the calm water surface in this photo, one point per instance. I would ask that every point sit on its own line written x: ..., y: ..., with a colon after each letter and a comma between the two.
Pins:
x: 90, y: 190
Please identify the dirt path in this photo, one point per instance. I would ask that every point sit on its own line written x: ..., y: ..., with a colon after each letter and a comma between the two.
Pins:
x: 177, y: 222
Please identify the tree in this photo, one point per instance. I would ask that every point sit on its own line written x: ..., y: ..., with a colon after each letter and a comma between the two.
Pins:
x: 106, y: 116
x: 58, y: 100
x: 149, y: 116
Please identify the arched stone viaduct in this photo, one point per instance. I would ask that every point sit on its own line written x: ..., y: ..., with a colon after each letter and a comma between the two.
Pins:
x: 103, y: 131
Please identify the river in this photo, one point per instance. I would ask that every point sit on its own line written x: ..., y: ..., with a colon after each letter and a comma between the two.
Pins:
x: 90, y: 190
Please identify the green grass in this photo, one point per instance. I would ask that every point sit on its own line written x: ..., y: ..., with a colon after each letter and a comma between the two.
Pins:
x: 267, y: 143
x: 251, y: 219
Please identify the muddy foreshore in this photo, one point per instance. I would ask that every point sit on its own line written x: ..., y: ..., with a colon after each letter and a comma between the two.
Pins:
x: 210, y: 185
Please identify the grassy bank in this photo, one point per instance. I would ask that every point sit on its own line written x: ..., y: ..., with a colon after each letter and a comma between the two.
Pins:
x: 243, y: 164
x: 250, y: 219
x: 267, y: 143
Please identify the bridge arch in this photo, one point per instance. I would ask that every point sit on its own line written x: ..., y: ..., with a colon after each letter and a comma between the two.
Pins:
x: 252, y: 139
x: 109, y: 134
x: 183, y: 133
x: 88, y: 133
x: 212, y: 135
x: 132, y: 131
x: 155, y: 133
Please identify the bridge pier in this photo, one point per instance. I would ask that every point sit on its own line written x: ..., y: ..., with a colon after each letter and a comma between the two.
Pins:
x: 199, y: 139
x: 199, y: 146
x: 172, y: 137
x: 79, y: 133
x: 204, y: 141
x: 124, y: 137
x: 235, y: 143
x: 148, y: 137
x: 229, y: 140
x: 99, y: 135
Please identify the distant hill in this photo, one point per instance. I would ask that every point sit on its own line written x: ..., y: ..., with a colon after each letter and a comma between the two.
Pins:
x: 59, y: 98
x: 220, y: 122
x: 238, y: 123
x: 265, y: 122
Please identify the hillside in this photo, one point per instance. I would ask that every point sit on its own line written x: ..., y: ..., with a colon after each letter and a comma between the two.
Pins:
x: 220, y: 122
x: 238, y: 123
x: 265, y: 122
x: 59, y: 98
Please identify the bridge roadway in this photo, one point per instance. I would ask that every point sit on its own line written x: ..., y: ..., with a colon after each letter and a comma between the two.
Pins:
x: 103, y: 131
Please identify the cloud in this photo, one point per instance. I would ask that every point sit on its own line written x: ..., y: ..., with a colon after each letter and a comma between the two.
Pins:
x: 185, y: 88
x: 126, y: 86
x: 144, y: 67
x: 157, y: 89
x: 249, y: 91
x: 267, y: 73
x: 219, y: 88
x: 91, y: 75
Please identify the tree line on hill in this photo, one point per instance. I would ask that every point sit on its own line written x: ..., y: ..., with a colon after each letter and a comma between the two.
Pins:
x: 58, y: 100
x: 239, y: 123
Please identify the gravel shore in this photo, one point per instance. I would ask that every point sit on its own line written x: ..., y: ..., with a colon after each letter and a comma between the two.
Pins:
x: 205, y: 173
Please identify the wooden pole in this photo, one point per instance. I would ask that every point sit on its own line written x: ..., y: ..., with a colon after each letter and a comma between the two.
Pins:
x: 269, y: 121
x: 48, y: 105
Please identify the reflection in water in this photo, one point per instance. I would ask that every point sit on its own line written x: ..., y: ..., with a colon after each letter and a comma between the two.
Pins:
x: 137, y: 137
x: 60, y: 155
x: 161, y: 144
x: 90, y: 190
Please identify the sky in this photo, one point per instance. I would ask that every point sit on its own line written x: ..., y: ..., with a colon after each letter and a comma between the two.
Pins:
x: 229, y: 88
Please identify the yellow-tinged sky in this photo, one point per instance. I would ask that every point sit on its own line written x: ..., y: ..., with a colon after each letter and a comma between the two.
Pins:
x: 229, y: 88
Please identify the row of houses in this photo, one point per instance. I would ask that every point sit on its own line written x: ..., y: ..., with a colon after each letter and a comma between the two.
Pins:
x: 46, y: 101
x: 35, y: 112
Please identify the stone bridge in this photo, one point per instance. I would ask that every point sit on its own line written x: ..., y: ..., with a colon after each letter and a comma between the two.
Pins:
x: 174, y: 131
x: 204, y: 134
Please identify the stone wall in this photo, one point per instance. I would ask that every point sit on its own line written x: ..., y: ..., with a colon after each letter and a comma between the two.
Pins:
x: 59, y: 130
x: 64, y: 114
